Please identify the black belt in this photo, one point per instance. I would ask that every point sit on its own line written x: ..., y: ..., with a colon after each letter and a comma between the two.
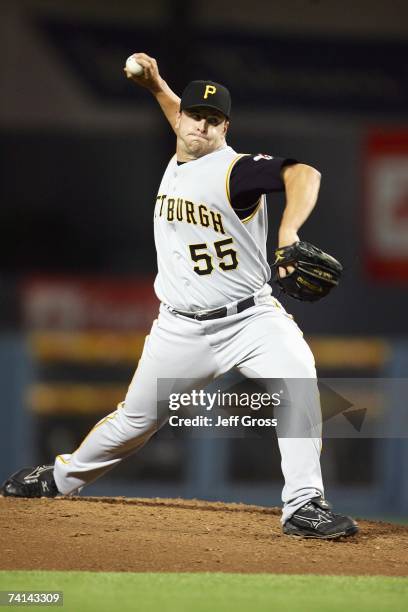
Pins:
x: 218, y: 313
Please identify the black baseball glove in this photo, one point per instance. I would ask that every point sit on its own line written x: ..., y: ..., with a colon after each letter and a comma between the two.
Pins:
x: 316, y: 273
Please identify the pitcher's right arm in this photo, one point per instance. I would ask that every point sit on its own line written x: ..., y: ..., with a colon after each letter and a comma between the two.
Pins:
x: 150, y: 79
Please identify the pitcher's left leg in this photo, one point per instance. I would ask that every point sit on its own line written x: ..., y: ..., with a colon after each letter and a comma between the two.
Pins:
x: 277, y: 350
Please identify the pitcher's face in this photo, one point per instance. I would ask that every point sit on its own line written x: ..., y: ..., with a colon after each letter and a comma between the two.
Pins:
x: 200, y: 131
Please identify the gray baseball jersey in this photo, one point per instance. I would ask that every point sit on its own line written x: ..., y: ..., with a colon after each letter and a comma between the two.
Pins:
x: 207, y: 257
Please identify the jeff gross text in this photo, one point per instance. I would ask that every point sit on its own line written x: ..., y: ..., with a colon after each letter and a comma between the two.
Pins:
x: 220, y: 400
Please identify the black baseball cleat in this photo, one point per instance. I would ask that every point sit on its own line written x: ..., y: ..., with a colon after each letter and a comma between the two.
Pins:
x: 31, y: 482
x: 316, y: 520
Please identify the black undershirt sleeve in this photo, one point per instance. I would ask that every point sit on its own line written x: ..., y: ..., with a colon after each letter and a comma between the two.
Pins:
x: 252, y: 176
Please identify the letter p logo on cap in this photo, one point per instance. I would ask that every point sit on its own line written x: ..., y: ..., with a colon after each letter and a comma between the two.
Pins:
x: 206, y: 93
x: 209, y: 91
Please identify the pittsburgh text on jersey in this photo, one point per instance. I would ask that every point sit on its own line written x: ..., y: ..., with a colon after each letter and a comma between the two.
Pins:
x: 178, y: 209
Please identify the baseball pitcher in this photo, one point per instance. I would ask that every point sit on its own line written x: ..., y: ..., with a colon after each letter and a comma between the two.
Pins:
x: 217, y: 310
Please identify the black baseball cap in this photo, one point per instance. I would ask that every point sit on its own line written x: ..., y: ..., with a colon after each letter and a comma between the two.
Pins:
x: 207, y: 94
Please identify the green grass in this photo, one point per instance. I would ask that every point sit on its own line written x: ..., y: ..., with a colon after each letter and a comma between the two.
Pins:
x: 212, y: 592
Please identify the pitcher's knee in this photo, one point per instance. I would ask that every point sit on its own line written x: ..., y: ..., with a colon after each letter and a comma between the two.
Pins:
x: 302, y: 369
x: 301, y: 363
x: 137, y: 422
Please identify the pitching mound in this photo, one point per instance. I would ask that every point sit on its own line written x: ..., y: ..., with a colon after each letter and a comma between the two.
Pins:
x: 164, y: 535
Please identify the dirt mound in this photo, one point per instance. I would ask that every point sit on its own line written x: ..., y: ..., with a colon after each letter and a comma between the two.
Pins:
x: 171, y: 535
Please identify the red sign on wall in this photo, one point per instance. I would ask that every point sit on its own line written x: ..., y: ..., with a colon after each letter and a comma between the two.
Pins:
x: 386, y: 205
x: 61, y: 303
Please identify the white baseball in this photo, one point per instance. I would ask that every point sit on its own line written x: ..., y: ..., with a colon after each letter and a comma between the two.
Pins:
x: 133, y: 66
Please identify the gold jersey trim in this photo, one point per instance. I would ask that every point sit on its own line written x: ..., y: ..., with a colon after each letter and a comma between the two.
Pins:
x: 232, y: 164
x: 253, y: 213
x: 101, y: 422
x: 227, y: 189
x: 61, y: 458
